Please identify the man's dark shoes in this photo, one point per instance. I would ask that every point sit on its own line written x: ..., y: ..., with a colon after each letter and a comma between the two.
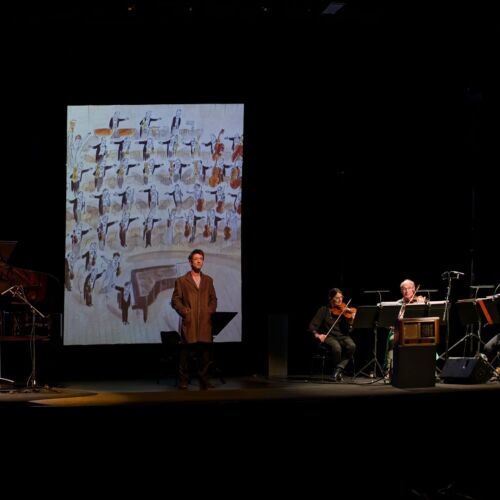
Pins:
x: 337, y: 376
x: 183, y: 386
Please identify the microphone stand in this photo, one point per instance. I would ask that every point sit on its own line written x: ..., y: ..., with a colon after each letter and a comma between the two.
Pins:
x: 18, y: 291
x: 449, y: 276
x: 3, y: 379
x: 446, y: 318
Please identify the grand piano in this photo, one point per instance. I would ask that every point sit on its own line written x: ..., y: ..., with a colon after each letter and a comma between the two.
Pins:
x: 16, y: 318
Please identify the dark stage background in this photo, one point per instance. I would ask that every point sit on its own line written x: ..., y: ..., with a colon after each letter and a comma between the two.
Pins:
x: 369, y: 147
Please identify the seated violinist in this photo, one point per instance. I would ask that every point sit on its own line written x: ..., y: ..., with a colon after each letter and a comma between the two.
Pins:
x: 409, y: 296
x: 331, y: 326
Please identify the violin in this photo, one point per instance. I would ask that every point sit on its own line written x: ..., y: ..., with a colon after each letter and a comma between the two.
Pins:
x: 419, y: 299
x: 343, y: 310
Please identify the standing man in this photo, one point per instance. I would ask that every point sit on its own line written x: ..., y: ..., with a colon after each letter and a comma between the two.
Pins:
x: 195, y: 301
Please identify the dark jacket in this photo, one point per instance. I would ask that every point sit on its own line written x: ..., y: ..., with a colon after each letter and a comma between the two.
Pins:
x: 195, y: 306
x: 323, y: 320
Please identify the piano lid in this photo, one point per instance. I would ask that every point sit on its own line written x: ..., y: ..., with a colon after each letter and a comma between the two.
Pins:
x: 6, y: 249
x: 34, y: 283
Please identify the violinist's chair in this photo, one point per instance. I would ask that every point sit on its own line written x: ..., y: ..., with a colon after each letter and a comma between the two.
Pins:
x: 169, y: 359
x: 321, y: 360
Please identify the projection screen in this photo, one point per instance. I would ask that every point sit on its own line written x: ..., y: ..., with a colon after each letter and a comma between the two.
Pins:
x: 146, y: 184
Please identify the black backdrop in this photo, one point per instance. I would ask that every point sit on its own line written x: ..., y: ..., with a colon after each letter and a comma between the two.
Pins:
x: 368, y: 146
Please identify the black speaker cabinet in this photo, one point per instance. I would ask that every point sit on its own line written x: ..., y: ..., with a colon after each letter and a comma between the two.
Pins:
x: 466, y: 371
x: 414, y: 366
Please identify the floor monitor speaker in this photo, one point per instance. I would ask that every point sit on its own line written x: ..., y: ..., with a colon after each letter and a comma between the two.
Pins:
x: 466, y: 371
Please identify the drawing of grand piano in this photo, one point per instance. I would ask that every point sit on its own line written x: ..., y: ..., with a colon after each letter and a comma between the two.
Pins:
x: 148, y: 282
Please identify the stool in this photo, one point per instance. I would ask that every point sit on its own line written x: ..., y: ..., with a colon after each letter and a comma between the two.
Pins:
x: 321, y: 357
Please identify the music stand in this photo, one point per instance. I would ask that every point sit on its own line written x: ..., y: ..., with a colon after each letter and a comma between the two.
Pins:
x: 490, y: 309
x: 416, y: 311
x: 438, y: 308
x: 469, y: 315
x: 219, y: 321
x: 366, y: 317
x: 389, y: 312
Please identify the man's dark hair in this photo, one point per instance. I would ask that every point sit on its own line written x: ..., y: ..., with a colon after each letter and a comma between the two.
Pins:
x: 195, y: 251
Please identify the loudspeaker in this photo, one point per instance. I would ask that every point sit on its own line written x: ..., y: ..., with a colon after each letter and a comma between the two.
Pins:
x: 414, y: 366
x: 466, y: 371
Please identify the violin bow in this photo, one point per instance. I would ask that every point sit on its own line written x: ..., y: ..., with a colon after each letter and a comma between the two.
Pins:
x: 404, y: 304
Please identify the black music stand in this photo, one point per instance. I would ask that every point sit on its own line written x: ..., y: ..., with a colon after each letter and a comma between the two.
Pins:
x: 366, y: 317
x: 416, y: 311
x: 438, y: 308
x: 469, y: 315
x: 219, y: 321
x: 389, y: 313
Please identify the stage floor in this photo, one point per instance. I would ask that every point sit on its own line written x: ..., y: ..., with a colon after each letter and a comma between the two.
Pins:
x: 364, y: 439
x: 252, y: 388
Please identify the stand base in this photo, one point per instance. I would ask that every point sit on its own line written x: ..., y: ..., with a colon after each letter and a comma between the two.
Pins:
x: 370, y: 370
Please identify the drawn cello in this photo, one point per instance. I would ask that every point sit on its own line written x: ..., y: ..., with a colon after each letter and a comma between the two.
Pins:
x: 218, y: 147
x: 215, y: 178
x: 235, y: 181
